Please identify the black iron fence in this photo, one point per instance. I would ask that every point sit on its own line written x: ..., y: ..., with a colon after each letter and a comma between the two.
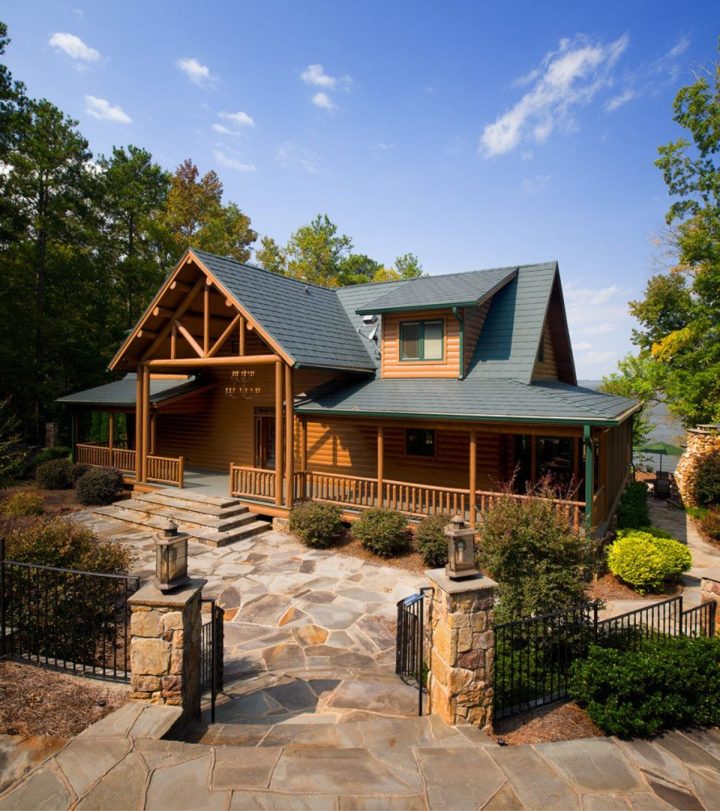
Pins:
x: 409, y: 642
x: 211, y: 653
x: 66, y: 618
x: 533, y: 655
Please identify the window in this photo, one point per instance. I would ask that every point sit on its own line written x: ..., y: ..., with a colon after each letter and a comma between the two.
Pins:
x: 419, y: 442
x: 421, y: 340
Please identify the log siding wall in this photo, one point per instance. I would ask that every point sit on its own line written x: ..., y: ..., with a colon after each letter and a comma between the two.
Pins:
x: 392, y: 366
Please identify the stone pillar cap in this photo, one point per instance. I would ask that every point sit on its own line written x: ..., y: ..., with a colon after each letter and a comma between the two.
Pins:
x: 149, y: 594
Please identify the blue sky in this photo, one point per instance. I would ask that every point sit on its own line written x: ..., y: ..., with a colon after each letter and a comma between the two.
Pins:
x: 473, y: 134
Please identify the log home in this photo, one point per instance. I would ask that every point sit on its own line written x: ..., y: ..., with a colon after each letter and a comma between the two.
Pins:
x: 422, y: 395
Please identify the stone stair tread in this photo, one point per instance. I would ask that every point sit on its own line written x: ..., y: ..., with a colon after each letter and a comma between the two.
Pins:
x: 228, y: 506
x: 191, y: 518
x: 187, y: 495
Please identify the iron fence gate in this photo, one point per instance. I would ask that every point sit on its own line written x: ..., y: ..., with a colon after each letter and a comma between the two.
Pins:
x: 211, y: 653
x: 66, y: 618
x: 533, y: 655
x: 409, y: 642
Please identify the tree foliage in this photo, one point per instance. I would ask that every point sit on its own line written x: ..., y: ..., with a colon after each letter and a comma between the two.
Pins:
x: 679, y: 316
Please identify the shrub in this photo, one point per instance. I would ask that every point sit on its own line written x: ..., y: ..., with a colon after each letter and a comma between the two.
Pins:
x: 78, y: 469
x: 647, y: 562
x: 317, y: 525
x: 710, y: 524
x: 706, y: 487
x: 54, y: 475
x: 633, y: 507
x: 431, y: 540
x: 664, y: 683
x: 21, y: 505
x: 383, y: 532
x: 99, y: 485
x: 541, y: 563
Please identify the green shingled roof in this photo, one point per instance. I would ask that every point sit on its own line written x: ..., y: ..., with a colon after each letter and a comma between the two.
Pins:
x: 501, y: 400
x: 439, y: 292
x: 121, y: 393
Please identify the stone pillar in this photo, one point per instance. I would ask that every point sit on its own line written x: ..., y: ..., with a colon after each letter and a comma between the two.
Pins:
x: 461, y: 649
x: 165, y: 632
x: 710, y: 593
x: 701, y: 441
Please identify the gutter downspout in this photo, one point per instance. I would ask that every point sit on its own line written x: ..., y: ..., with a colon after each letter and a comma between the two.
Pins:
x: 589, y: 474
x: 461, y: 323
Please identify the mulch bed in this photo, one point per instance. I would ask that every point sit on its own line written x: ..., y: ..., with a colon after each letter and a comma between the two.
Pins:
x: 410, y: 562
x: 558, y: 722
x: 37, y: 701
x: 55, y: 502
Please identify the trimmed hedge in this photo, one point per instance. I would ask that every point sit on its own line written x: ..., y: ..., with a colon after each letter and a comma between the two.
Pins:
x: 665, y: 683
x: 54, y: 475
x: 22, y: 505
x: 78, y: 469
x: 317, y: 525
x: 431, y: 540
x: 646, y: 561
x: 383, y: 532
x: 632, y: 509
x: 99, y: 485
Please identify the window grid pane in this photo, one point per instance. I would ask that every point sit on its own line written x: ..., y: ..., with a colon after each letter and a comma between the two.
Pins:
x: 433, y: 340
x: 410, y: 343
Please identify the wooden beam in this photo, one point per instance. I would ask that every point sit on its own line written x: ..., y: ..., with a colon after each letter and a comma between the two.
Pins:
x: 192, y: 363
x: 217, y: 346
x: 472, y: 476
x: 533, y: 460
x: 146, y: 333
x: 165, y: 331
x: 189, y: 338
x: 303, y: 444
x: 111, y: 431
x: 289, y: 438
x: 181, y: 287
x: 145, y: 414
x: 380, y: 463
x: 241, y: 336
x: 153, y: 431
x: 138, y: 424
x: 278, y: 432
x: 173, y: 341
x: 589, y: 475
x: 206, y: 318
x: 165, y: 312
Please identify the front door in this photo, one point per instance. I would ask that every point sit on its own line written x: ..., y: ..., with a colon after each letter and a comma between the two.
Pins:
x: 264, y: 439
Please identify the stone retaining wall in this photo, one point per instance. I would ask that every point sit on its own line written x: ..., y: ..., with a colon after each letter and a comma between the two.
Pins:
x: 701, y: 441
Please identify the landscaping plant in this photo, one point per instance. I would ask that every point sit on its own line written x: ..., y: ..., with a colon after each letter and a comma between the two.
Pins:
x: 22, y: 505
x: 431, y: 540
x: 54, y: 475
x: 633, y: 507
x: 78, y: 469
x: 706, y: 486
x: 710, y: 524
x: 99, y: 485
x: 317, y: 525
x: 647, y: 562
x: 383, y: 532
x: 665, y: 683
x: 540, y: 562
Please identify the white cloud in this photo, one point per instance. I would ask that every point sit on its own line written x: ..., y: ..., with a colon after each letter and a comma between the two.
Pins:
x: 104, y: 111
x: 534, y: 185
x: 315, y: 75
x: 239, y: 119
x: 605, y: 328
x: 73, y: 47
x: 229, y: 162
x: 323, y: 101
x: 222, y: 129
x: 680, y: 47
x: 582, y: 346
x: 198, y: 73
x: 617, y: 101
x: 567, y: 78
x: 290, y: 153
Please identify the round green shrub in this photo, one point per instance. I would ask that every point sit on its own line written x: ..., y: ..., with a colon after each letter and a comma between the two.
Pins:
x: 431, y: 540
x: 54, y: 475
x: 383, y: 532
x: 647, y: 562
x: 706, y: 488
x: 99, y: 485
x: 21, y: 505
x: 663, y: 683
x: 31, y: 460
x: 710, y: 524
x: 317, y: 525
x: 78, y: 469
x: 633, y: 507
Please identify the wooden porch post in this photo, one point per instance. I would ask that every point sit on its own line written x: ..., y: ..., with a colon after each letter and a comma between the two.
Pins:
x: 74, y: 434
x: 589, y: 474
x: 145, y: 421
x: 111, y: 431
x: 241, y: 336
x: 473, y: 476
x: 138, y: 423
x: 153, y: 420
x: 206, y: 317
x: 380, y: 463
x: 278, y: 433
x: 533, y: 459
x: 303, y: 444
x: 289, y: 438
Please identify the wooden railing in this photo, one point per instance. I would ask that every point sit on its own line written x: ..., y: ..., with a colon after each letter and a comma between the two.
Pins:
x: 166, y: 470
x: 337, y: 488
x: 161, y: 469
x: 252, y: 482
x: 424, y: 499
x: 572, y: 511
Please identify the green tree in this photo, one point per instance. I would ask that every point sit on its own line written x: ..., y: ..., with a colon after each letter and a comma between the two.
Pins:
x: 357, y: 268
x: 271, y: 256
x: 679, y: 316
x: 196, y: 217
x: 315, y: 252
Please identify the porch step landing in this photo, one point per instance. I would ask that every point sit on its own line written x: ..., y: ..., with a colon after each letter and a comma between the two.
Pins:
x: 210, y: 520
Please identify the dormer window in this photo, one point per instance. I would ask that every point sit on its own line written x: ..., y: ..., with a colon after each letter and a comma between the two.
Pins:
x: 421, y: 340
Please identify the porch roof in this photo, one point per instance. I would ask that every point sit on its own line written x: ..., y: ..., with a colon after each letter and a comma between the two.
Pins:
x: 469, y: 400
x: 121, y: 393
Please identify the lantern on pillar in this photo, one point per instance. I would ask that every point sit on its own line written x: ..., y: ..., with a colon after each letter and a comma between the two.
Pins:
x: 461, y: 549
x: 171, y: 558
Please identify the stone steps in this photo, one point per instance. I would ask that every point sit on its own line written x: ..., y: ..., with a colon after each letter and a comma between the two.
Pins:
x: 210, y: 520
